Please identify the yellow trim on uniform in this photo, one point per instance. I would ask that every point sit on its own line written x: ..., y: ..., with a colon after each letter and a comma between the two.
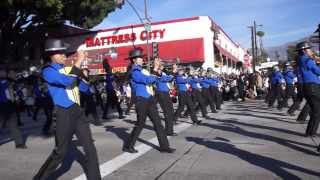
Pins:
x: 74, y: 88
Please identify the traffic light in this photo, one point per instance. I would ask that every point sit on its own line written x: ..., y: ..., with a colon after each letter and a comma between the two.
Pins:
x: 155, y: 50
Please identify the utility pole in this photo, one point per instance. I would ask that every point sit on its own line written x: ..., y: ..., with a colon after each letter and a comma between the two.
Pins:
x: 318, y: 30
x: 147, y: 26
x: 319, y: 38
x: 255, y: 43
x: 253, y: 48
x: 147, y: 23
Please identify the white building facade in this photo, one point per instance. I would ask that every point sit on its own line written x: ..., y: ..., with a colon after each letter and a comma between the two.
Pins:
x: 197, y: 41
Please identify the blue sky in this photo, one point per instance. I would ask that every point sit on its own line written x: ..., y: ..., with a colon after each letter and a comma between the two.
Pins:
x: 283, y: 20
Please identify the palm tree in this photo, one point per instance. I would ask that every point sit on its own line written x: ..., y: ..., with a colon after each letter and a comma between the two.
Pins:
x: 262, y: 54
x: 260, y: 34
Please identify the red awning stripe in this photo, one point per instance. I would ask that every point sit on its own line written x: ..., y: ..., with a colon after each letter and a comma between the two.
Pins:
x: 187, y: 50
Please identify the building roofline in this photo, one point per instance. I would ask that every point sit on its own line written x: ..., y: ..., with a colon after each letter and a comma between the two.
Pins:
x: 156, y: 23
x: 135, y: 26
x: 216, y: 25
x: 152, y: 23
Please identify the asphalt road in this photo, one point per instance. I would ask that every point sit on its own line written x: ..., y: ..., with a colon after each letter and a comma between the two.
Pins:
x: 242, y: 141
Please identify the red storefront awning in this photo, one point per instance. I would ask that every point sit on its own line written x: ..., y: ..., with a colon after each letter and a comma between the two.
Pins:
x: 188, y: 51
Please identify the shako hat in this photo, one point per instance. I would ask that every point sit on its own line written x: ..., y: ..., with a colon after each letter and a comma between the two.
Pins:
x: 136, y: 53
x: 303, y: 45
x: 53, y: 45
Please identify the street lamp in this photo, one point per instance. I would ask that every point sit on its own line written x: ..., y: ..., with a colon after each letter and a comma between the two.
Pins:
x: 147, y: 26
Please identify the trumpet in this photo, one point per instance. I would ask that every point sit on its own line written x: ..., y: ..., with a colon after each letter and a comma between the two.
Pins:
x: 168, y: 64
x: 162, y: 63
x: 316, y: 58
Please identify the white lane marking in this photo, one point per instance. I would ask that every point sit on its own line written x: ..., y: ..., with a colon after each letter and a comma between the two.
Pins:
x: 124, y: 158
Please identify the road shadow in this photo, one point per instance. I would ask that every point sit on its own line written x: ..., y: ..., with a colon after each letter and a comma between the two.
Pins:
x: 235, y: 121
x: 280, y: 168
x: 26, y: 132
x: 255, y: 111
x: 284, y: 142
x: 122, y: 134
x: 260, y: 116
x: 246, y: 106
x: 73, y: 154
x: 186, y: 121
x: 134, y: 122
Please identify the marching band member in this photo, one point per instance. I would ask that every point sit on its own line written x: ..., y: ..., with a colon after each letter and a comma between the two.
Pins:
x: 196, y: 92
x: 311, y: 85
x: 184, y: 96
x: 277, y: 83
x: 214, y: 86
x: 145, y: 103
x: 7, y: 110
x: 64, y: 85
x: 163, y: 87
x: 205, y: 83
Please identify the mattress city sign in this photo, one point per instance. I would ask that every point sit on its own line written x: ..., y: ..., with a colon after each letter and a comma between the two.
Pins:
x: 125, y: 38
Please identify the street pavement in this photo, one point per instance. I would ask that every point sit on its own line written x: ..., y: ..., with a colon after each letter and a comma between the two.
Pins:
x: 243, y: 141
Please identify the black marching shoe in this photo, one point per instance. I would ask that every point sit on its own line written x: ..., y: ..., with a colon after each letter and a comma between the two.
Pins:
x: 47, y: 134
x: 318, y: 149
x: 129, y: 150
x: 21, y: 146
x: 301, y: 121
x: 97, y: 123
x: 121, y: 117
x: 311, y: 135
x: 167, y: 150
x: 172, y: 134
x: 36, y: 177
x: 290, y: 114
x: 206, y: 117
x: 197, y: 122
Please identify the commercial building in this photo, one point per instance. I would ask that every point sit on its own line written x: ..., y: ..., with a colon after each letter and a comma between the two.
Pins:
x: 196, y: 40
